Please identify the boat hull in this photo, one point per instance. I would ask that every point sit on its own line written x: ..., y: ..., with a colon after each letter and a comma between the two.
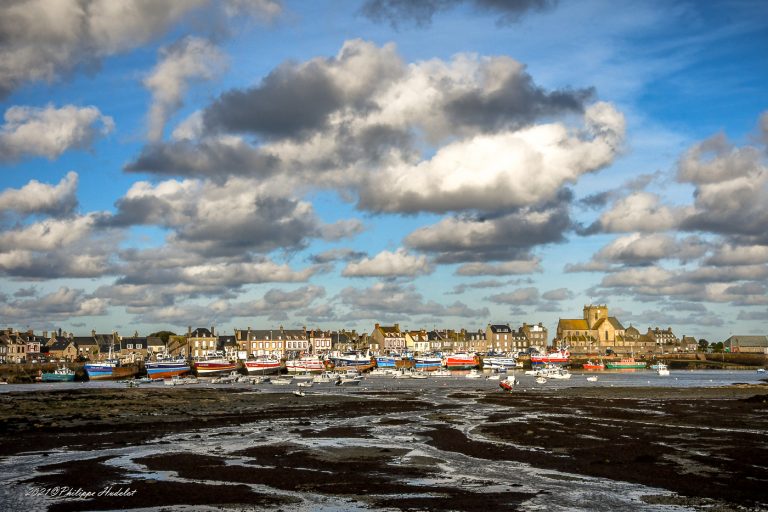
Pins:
x: 207, y: 368
x: 57, y: 377
x: 102, y: 372
x: 167, y: 372
x: 625, y: 365
x: 461, y: 363
x: 262, y: 367
x: 426, y: 363
x: 305, y: 366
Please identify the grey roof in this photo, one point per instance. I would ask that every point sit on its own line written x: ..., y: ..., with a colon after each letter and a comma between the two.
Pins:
x: 500, y: 328
x: 748, y: 341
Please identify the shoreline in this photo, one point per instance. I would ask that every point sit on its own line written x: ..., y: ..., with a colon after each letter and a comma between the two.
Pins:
x: 643, y: 435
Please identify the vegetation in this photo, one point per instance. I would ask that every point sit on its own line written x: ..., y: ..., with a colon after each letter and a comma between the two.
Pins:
x: 163, y: 335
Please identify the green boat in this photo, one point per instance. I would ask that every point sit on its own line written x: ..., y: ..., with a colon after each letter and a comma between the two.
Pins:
x: 62, y: 374
x: 627, y: 363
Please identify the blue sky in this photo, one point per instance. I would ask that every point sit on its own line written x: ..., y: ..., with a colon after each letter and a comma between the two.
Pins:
x: 338, y: 163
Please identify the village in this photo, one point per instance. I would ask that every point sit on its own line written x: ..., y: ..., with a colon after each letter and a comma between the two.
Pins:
x: 594, y: 334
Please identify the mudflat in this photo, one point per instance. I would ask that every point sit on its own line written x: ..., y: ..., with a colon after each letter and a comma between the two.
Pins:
x: 416, y: 449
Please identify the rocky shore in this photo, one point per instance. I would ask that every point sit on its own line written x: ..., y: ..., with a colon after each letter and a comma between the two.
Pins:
x: 431, y: 449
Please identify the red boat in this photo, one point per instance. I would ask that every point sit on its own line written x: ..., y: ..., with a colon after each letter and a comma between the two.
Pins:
x: 589, y: 365
x: 306, y: 364
x: 559, y: 357
x: 262, y: 366
x: 508, y: 384
x: 461, y: 361
x: 214, y: 364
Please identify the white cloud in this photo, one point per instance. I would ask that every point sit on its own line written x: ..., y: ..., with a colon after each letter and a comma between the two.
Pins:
x: 641, y: 211
x: 500, y: 269
x: 50, y: 131
x: 502, y: 170
x: 190, y: 58
x: 46, y: 39
x: 36, y: 197
x: 389, y: 264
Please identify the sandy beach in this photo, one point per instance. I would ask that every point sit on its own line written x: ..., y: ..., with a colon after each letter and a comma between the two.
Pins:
x: 417, y: 449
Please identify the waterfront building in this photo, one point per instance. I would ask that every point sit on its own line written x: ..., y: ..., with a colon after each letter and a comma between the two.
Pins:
x: 595, y: 333
x: 201, y: 341
x: 320, y: 341
x: 258, y: 343
x: 501, y: 338
x: 387, y: 339
x: 748, y: 344
x: 132, y: 348
x: 664, y: 339
x: 417, y: 341
x: 63, y: 348
x: 536, y: 335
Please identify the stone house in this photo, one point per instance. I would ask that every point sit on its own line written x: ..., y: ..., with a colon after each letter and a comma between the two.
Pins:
x: 387, y: 339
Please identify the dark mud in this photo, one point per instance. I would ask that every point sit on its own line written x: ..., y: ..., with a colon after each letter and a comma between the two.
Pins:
x: 707, y: 445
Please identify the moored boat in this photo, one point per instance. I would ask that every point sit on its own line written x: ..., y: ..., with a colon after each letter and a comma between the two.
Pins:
x: 427, y: 362
x: 166, y: 368
x: 590, y: 365
x: 306, y: 364
x: 627, y: 363
x: 662, y: 370
x: 352, y: 360
x: 60, y: 374
x: 499, y: 363
x: 262, y: 366
x: 561, y: 356
x: 111, y: 369
x: 508, y: 384
x: 214, y: 364
x: 461, y: 361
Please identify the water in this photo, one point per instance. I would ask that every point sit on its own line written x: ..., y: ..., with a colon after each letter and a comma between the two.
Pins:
x: 607, y: 378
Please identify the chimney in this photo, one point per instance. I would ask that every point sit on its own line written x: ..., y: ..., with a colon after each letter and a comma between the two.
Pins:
x: 93, y: 332
x: 213, y: 331
x: 45, y: 334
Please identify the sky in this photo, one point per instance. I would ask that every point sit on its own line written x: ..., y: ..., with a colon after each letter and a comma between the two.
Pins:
x: 337, y: 163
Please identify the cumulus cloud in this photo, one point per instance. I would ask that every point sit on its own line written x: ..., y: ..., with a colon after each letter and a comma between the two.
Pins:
x: 505, y: 238
x: 500, y: 170
x: 50, y: 131
x: 641, y: 211
x: 731, y: 189
x: 639, y: 249
x: 188, y: 59
x: 407, y: 12
x: 59, y: 305
x: 57, y: 200
x: 43, y: 40
x: 506, y: 268
x: 519, y: 297
x: 218, y: 219
x: 390, y: 300
x: 389, y: 264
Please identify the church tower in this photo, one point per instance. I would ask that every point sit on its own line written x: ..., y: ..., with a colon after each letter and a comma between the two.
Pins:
x: 592, y: 314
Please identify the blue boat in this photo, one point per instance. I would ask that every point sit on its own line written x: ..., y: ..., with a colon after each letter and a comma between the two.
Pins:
x: 428, y: 361
x: 386, y: 361
x: 62, y: 374
x: 167, y: 368
x: 109, y: 370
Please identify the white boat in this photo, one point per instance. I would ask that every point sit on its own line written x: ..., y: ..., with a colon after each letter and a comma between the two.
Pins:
x: 493, y: 377
x: 593, y: 378
x: 440, y: 373
x: 662, y: 370
x: 304, y: 384
x: 473, y: 374
x: 325, y: 378
x: 282, y: 381
x: 227, y: 379
x: 541, y: 380
x: 550, y: 372
x: 180, y: 381
x: 761, y: 370
x: 349, y: 381
x: 499, y: 363
x: 299, y: 392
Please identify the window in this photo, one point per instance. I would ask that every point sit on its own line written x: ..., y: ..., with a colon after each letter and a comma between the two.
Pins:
x: 129, y: 346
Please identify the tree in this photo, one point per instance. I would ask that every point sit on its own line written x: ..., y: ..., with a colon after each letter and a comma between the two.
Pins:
x: 717, y: 347
x: 703, y: 345
x: 163, y: 335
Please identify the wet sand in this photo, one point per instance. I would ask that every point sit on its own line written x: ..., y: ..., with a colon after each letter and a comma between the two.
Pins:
x: 700, y: 448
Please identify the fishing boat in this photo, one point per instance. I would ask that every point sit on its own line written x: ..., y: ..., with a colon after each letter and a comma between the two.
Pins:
x: 282, y: 381
x: 508, y: 384
x: 441, y: 373
x: 353, y: 360
x: 111, y: 369
x: 60, y: 374
x: 306, y: 364
x: 662, y: 370
x: 627, y: 363
x: 589, y: 365
x: 263, y: 366
x: 555, y: 372
x: 326, y: 378
x: 214, y: 363
x: 166, y: 368
x: 499, y: 363
x: 461, y: 361
x: 541, y: 380
x: 592, y: 379
x: 561, y: 356
x: 427, y: 362
x: 473, y: 374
